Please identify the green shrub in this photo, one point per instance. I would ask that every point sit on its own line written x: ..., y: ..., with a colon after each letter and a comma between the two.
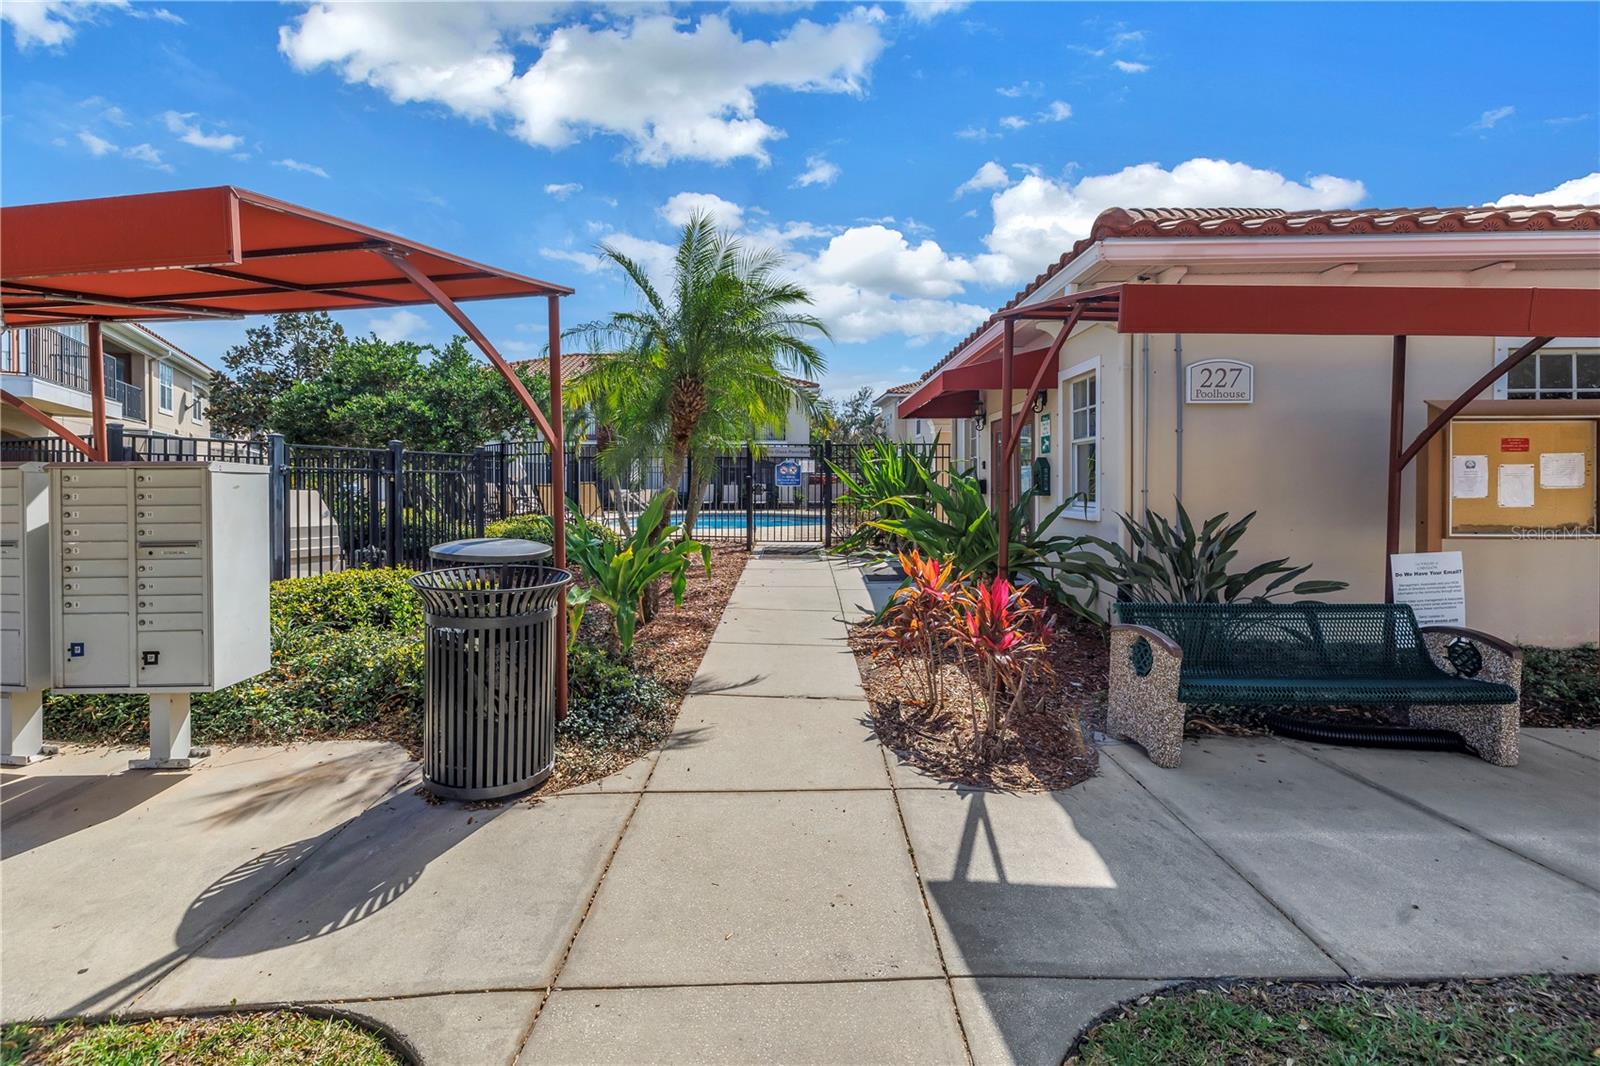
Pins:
x: 1563, y: 683
x: 608, y: 703
x: 322, y: 682
x: 348, y: 599
x: 537, y: 527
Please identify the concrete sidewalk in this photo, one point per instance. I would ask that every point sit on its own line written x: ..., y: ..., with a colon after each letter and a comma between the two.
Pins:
x: 771, y: 887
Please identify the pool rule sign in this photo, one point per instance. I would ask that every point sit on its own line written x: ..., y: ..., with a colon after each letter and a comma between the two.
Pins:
x: 1433, y: 584
x: 787, y: 473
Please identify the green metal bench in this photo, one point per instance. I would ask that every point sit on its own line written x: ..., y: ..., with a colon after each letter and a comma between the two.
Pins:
x: 1168, y: 657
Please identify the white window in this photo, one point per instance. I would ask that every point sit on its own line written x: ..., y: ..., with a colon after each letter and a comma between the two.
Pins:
x: 1555, y: 375
x: 164, y: 378
x: 197, y: 408
x: 1081, y: 476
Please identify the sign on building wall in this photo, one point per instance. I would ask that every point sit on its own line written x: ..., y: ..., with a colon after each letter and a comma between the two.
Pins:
x: 786, y: 473
x: 1434, y: 584
x: 1220, y: 381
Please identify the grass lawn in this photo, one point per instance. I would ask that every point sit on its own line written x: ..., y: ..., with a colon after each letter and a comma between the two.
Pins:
x: 1527, y: 1020
x: 265, y: 1039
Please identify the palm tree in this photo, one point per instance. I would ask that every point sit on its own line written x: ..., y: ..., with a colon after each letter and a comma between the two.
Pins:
x: 704, y: 364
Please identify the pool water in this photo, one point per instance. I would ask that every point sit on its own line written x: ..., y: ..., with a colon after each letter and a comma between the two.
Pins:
x: 763, y: 520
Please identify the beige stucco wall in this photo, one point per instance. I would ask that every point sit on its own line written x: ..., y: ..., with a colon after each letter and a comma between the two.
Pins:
x: 1309, y: 456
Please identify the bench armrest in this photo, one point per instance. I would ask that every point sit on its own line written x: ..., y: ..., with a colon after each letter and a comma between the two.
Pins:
x: 1468, y: 653
x: 1475, y: 637
x: 1157, y: 638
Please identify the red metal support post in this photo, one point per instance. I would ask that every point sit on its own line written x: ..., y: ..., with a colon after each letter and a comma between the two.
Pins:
x: 97, y: 390
x: 33, y: 414
x: 1046, y: 368
x: 558, y: 499
x: 1001, y: 463
x: 1397, y: 418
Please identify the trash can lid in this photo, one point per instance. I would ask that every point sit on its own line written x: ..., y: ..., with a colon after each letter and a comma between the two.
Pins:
x: 490, y: 550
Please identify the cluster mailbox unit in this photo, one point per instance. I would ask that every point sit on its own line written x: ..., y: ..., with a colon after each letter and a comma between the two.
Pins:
x: 158, y: 580
x: 24, y: 610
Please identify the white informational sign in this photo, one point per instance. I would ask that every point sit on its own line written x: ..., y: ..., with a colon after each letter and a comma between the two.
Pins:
x: 1561, y: 470
x: 1516, y: 485
x: 1469, y: 477
x: 1433, y: 584
x: 1220, y: 381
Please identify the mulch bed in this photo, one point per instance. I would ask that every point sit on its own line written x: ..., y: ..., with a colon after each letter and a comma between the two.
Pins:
x: 1045, y: 747
x: 669, y: 649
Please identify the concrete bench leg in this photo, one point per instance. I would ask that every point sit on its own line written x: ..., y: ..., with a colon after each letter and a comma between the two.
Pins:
x: 22, y: 729
x: 1142, y: 704
x: 169, y: 734
x: 1490, y: 730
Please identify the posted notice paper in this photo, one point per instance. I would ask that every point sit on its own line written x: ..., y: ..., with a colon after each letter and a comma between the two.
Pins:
x: 1561, y: 470
x: 1469, y: 477
x: 1516, y: 485
x: 1433, y: 584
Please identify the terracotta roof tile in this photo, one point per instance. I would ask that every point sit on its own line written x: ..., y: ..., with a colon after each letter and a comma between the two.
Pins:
x: 1269, y: 222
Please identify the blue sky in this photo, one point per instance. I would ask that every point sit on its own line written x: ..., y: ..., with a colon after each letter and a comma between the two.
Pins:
x: 917, y: 163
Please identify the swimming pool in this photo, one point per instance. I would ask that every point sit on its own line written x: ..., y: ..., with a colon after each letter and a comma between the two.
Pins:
x: 725, y: 520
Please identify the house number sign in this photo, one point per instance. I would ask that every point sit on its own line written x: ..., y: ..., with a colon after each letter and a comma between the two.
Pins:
x: 1220, y: 381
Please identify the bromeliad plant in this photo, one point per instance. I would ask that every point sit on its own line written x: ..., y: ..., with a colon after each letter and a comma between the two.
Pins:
x: 1005, y: 639
x: 919, y: 621
x: 1181, y: 564
x: 618, y: 573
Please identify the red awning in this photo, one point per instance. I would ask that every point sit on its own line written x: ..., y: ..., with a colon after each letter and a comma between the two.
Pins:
x: 215, y: 253
x: 1302, y: 310
x: 1329, y: 310
x: 954, y: 393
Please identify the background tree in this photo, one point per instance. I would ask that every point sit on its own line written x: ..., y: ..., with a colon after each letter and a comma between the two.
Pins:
x: 853, y: 420
x: 274, y: 355
x: 706, y: 361
x: 433, y: 399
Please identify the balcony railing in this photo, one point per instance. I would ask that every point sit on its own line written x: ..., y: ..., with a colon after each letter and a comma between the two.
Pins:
x: 50, y: 355
x: 130, y: 396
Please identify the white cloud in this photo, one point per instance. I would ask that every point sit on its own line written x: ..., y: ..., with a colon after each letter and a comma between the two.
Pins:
x: 672, y: 87
x: 1058, y: 111
x: 818, y: 172
x: 1493, y: 117
x: 180, y: 126
x: 97, y: 145
x: 1022, y: 88
x: 882, y: 260
x: 928, y: 10
x: 989, y: 176
x: 1128, y: 66
x: 149, y: 155
x: 1584, y: 190
x: 159, y: 14
x: 562, y: 190
x: 51, y: 23
x: 1038, y: 218
x: 588, y: 262
x: 1013, y: 122
x: 724, y: 213
x: 398, y: 325
x: 303, y: 168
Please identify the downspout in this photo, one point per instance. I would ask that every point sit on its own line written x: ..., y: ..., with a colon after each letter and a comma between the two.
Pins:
x: 1144, y: 427
x: 1178, y: 390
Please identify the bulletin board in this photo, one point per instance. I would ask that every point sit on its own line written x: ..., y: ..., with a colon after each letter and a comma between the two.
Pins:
x: 1505, y: 477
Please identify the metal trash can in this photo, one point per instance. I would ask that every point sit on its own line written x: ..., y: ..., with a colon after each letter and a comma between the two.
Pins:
x: 490, y: 658
x: 488, y: 550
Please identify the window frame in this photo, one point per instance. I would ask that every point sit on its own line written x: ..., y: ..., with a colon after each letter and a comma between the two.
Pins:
x: 166, y: 387
x: 1088, y: 370
x: 1572, y: 347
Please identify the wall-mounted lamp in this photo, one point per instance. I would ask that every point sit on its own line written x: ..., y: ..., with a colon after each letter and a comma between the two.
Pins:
x: 1039, y: 400
x: 980, y: 417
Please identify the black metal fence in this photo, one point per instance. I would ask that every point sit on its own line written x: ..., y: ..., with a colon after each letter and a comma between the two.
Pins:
x: 336, y: 507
